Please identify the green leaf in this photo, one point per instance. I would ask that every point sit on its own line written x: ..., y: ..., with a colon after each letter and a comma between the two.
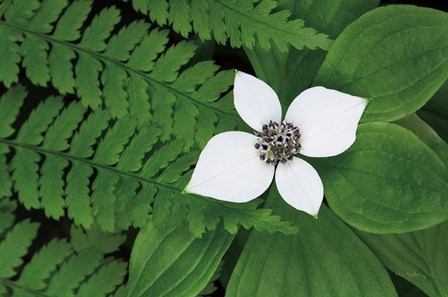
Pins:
x: 419, y: 257
x: 104, y: 281
x: 72, y: 272
x: 10, y: 104
x: 435, y: 112
x: 242, y: 22
x: 56, y: 269
x: 395, y: 55
x: 6, y: 215
x: 389, y: 181
x: 112, y: 172
x: 43, y: 264
x: 130, y: 72
x: 103, y: 242
x: 292, y: 72
x: 426, y: 134
x: 25, y: 162
x: 15, y: 246
x: 325, y: 259
x: 173, y: 262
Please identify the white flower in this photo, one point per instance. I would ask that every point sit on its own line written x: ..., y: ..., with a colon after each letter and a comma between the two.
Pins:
x: 238, y: 166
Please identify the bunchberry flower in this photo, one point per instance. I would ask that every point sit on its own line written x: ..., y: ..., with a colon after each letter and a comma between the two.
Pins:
x: 239, y: 166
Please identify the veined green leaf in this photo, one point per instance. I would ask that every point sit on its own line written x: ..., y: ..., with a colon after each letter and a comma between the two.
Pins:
x: 174, y: 262
x: 419, y: 257
x: 296, y: 265
x: 389, y: 181
x: 426, y: 134
x: 292, y: 72
x: 395, y: 55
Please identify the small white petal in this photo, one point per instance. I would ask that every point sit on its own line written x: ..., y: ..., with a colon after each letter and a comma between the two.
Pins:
x: 229, y: 168
x: 256, y: 102
x: 300, y: 186
x: 327, y: 120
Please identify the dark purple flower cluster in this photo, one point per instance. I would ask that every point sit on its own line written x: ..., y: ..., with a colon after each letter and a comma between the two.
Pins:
x: 278, y: 142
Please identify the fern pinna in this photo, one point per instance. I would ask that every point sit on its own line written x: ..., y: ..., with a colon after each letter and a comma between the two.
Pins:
x: 60, y: 268
x: 244, y: 22
x: 130, y: 73
x: 107, y: 171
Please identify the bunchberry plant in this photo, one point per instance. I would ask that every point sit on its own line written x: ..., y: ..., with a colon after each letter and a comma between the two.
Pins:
x: 135, y: 161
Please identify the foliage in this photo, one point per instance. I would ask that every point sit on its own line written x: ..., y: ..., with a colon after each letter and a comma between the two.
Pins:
x: 114, y: 171
x: 59, y: 268
x: 245, y: 23
x: 419, y: 257
x: 133, y: 71
x: 174, y: 262
x: 130, y: 103
x: 277, y: 265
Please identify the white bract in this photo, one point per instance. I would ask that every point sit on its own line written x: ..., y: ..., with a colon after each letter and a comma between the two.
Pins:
x: 239, y: 166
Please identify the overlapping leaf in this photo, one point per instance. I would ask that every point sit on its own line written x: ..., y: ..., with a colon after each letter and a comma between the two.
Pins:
x: 56, y: 269
x: 132, y: 72
x: 419, y: 257
x: 395, y: 55
x: 174, y: 262
x: 108, y: 171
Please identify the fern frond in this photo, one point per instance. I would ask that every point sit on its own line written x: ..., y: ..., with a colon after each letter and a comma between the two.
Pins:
x: 131, y: 73
x: 244, y: 23
x: 111, y: 172
x: 56, y: 269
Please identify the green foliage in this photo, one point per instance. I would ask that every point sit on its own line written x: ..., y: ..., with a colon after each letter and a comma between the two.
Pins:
x: 380, y: 57
x: 130, y: 73
x: 419, y: 257
x: 435, y: 112
x: 57, y: 268
x: 389, y: 181
x: 107, y: 171
x: 295, y: 265
x: 174, y: 263
x: 210, y: 288
x: 245, y: 23
x: 292, y: 72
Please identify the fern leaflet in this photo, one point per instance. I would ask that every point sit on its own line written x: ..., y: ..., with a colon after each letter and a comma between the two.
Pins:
x: 130, y: 73
x: 244, y: 23
x: 57, y: 269
x: 108, y: 171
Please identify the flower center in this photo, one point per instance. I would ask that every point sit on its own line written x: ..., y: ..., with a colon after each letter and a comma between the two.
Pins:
x: 278, y: 142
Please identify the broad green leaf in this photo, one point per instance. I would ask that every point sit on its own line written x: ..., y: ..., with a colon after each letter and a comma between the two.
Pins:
x: 324, y: 259
x: 174, y: 262
x: 396, y: 55
x: 420, y: 257
x: 388, y: 181
x: 426, y: 134
x: 435, y: 112
x: 292, y: 72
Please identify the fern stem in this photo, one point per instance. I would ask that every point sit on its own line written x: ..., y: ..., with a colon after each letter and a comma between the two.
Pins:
x: 120, y: 173
x: 90, y: 163
x: 128, y: 69
x: 14, y: 285
x: 3, y: 7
